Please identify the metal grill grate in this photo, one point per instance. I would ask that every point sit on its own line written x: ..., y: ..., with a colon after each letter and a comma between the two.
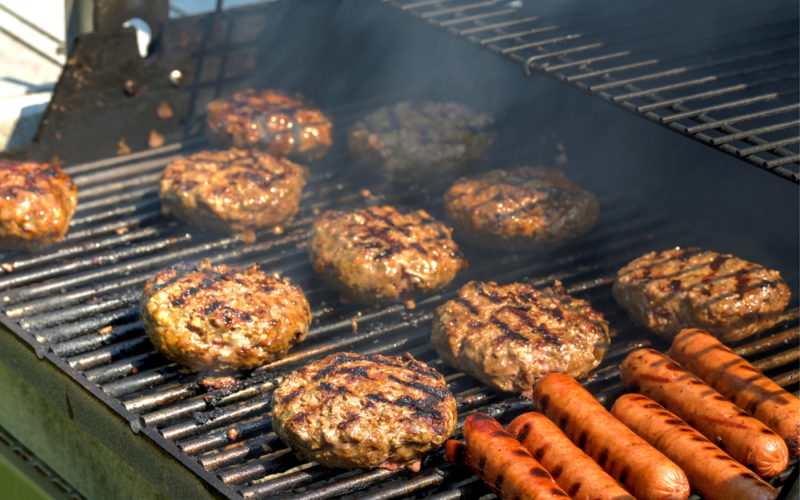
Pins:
x: 724, y: 75
x: 77, y: 305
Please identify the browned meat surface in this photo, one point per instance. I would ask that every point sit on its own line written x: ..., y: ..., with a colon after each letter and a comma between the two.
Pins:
x: 379, y: 254
x: 281, y: 123
x: 526, y: 208
x: 510, y: 336
x: 234, y: 190
x: 413, y: 141
x: 675, y: 289
x: 352, y: 410
x: 219, y: 318
x: 37, y: 201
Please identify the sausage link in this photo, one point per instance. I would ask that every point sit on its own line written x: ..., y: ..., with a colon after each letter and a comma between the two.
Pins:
x: 502, y: 462
x: 643, y: 470
x: 741, y: 382
x: 744, y: 438
x: 711, y: 471
x: 580, y: 476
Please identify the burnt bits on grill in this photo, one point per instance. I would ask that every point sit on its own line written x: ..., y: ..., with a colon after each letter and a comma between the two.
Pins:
x: 413, y: 141
x: 281, y: 123
x: 233, y: 190
x: 219, y: 318
x: 37, y: 201
x: 674, y: 289
x: 352, y: 410
x: 510, y: 336
x: 379, y: 254
x: 527, y: 208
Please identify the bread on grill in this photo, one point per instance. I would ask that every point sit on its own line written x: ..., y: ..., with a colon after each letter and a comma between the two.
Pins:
x: 281, y: 123
x: 421, y: 140
x: 724, y: 295
x: 510, y: 336
x: 353, y: 410
x: 220, y: 318
x: 380, y: 254
x: 526, y: 208
x: 37, y: 201
x: 233, y: 190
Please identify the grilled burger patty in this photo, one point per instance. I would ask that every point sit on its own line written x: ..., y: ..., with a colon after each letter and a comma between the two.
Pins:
x: 219, y: 318
x: 525, y: 208
x: 413, y: 141
x: 353, y: 410
x: 380, y: 254
x: 37, y: 201
x: 281, y: 123
x: 675, y: 289
x: 233, y: 190
x: 510, y: 336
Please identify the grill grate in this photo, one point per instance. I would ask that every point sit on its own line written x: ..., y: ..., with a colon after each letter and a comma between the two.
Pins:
x: 77, y: 305
x: 724, y: 77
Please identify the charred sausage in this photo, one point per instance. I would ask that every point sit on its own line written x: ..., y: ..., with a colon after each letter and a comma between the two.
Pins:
x: 643, y: 470
x: 711, y: 471
x: 741, y: 382
x: 744, y: 438
x: 502, y: 462
x: 580, y: 476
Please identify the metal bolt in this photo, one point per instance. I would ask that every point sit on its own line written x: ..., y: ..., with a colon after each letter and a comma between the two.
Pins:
x: 176, y: 77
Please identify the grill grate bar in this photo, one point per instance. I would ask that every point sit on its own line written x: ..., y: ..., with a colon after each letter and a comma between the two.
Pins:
x: 755, y: 131
x: 743, y: 118
x: 459, y: 9
x: 494, y: 26
x: 769, y: 146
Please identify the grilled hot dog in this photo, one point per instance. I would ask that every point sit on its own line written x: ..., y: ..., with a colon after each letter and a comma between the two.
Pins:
x: 711, y: 472
x: 643, y: 470
x: 501, y: 461
x: 744, y: 438
x: 580, y: 476
x: 741, y: 382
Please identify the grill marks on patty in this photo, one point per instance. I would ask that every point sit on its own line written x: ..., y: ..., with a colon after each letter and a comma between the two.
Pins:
x: 221, y: 318
x: 397, y: 400
x: 380, y: 254
x: 692, y: 287
x: 509, y: 336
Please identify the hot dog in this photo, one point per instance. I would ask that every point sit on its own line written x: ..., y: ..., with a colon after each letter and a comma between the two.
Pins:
x: 643, y: 470
x: 744, y: 438
x: 741, y: 382
x: 580, y: 476
x: 501, y: 461
x: 711, y: 472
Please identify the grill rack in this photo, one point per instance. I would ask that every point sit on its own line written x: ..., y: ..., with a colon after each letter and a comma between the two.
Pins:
x: 739, y: 96
x: 63, y: 302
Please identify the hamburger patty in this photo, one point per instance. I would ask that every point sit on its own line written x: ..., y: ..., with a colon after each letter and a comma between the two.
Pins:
x: 675, y: 289
x: 37, y: 201
x: 510, y: 336
x: 219, y: 318
x: 526, y: 208
x: 352, y: 410
x: 233, y: 190
x: 379, y: 254
x: 413, y: 141
x: 281, y: 123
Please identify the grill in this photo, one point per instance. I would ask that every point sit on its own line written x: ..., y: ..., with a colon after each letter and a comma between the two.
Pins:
x: 76, y: 304
x: 734, y: 89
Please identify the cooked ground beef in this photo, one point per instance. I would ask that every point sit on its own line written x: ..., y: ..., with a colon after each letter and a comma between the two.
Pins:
x: 281, y: 123
x: 219, y: 318
x: 352, y: 410
x: 414, y: 141
x: 526, y: 208
x: 379, y: 254
x: 234, y: 190
x: 510, y: 336
x: 674, y: 289
x: 37, y: 201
